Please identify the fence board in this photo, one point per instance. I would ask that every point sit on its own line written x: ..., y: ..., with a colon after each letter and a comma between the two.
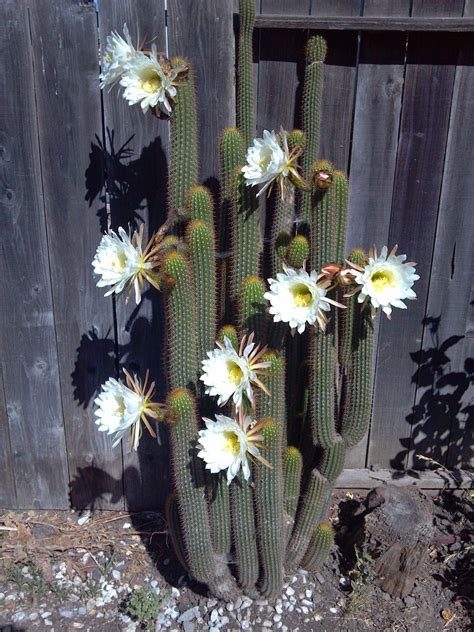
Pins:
x: 424, y: 125
x: 203, y: 32
x: 137, y: 147
x: 27, y: 335
x: 339, y: 83
x: 7, y: 489
x: 445, y: 377
x: 374, y: 147
x: 82, y: 318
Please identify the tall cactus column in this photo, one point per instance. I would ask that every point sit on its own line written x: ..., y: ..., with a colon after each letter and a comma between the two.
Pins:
x: 245, y: 113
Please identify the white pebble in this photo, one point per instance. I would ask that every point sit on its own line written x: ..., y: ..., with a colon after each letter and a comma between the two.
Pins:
x: 214, y: 615
x: 290, y: 591
x: 333, y: 610
x: 309, y: 594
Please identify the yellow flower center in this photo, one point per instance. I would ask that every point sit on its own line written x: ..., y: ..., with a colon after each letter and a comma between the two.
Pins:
x: 383, y: 279
x: 231, y: 442
x: 118, y: 262
x: 301, y: 295
x: 234, y: 373
x: 150, y: 81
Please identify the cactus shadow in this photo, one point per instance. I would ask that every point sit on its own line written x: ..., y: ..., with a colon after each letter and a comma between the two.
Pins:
x: 441, y: 419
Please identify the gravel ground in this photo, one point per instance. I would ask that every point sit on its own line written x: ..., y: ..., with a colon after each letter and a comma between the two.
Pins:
x: 114, y: 571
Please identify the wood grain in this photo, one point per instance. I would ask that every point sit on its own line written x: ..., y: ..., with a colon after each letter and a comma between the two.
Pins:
x: 420, y: 161
x: 27, y: 324
x: 380, y: 77
x: 7, y: 489
x: 137, y: 148
x: 357, y: 23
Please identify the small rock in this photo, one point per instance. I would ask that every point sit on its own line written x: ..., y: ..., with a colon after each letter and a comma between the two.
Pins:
x: 320, y: 578
x: 277, y: 617
x: 290, y: 591
x: 33, y: 616
x: 267, y: 624
x: 409, y: 601
x: 188, y: 626
x: 81, y: 611
x: 117, y: 575
x: 67, y: 614
x: 45, y: 615
x: 187, y: 615
x: 211, y: 603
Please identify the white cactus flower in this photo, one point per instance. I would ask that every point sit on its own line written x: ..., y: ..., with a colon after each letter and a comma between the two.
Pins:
x: 120, y: 262
x: 148, y: 83
x: 386, y: 280
x: 119, y: 52
x: 299, y: 298
x: 231, y: 374
x: 227, y: 444
x: 121, y: 409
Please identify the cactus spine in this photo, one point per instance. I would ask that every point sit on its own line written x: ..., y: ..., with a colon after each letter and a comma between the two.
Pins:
x: 269, y: 509
x: 199, y: 205
x: 245, y: 113
x: 309, y: 513
x: 274, y: 405
x: 219, y: 513
x: 200, y: 239
x: 332, y: 460
x: 319, y: 547
x: 175, y: 531
x: 298, y: 251
x: 184, y: 157
x: 230, y: 332
x: 181, y: 319
x: 322, y: 390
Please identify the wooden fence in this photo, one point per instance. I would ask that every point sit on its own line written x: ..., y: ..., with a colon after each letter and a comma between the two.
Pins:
x: 398, y: 114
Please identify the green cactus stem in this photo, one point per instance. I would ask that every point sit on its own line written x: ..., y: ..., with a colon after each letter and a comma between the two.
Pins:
x: 358, y: 380
x: 292, y: 468
x: 312, y: 93
x: 322, y: 396
x: 252, y: 305
x: 204, y: 564
x: 296, y: 140
x: 219, y: 513
x: 230, y: 332
x: 183, y: 173
x: 245, y: 224
x: 199, y: 204
x: 308, y: 515
x: 269, y: 509
x: 298, y: 251
x: 282, y: 241
x: 323, y: 221
x: 274, y: 405
x: 339, y: 197
x: 244, y: 534
x: 245, y: 111
x: 332, y: 460
x: 202, y: 254
x: 232, y: 154
x: 174, y: 528
x: 346, y: 316
x: 181, y: 321
x: 319, y: 547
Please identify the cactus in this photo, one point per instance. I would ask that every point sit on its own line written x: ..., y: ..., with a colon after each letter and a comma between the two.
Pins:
x: 204, y: 564
x: 339, y: 196
x: 199, y: 205
x: 183, y: 172
x: 200, y: 240
x: 244, y: 534
x: 269, y: 510
x: 322, y: 396
x: 181, y: 321
x: 245, y: 234
x: 292, y: 468
x: 175, y: 531
x: 332, y: 460
x: 232, y: 154
x: 312, y: 94
x: 219, y: 513
x: 274, y: 406
x: 245, y: 111
x: 309, y: 513
x: 230, y: 332
x: 319, y: 547
x: 298, y: 251
x: 296, y: 140
x: 252, y: 315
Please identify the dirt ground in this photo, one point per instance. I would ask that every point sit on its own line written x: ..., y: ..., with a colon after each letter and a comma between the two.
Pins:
x: 116, y: 571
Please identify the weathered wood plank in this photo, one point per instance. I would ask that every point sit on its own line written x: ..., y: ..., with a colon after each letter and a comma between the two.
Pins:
x: 380, y: 75
x: 445, y: 379
x: 65, y: 49
x: 361, y: 478
x: 7, y: 488
x: 424, y: 126
x: 137, y: 147
x: 203, y: 32
x: 27, y: 335
x: 357, y: 23
x: 339, y: 83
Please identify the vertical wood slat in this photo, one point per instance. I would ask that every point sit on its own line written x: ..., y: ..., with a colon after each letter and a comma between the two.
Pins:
x: 380, y: 76
x: 64, y: 38
x: 339, y: 83
x: 424, y: 126
x: 445, y: 387
x: 203, y: 32
x: 137, y: 191
x: 27, y: 327
x: 7, y: 488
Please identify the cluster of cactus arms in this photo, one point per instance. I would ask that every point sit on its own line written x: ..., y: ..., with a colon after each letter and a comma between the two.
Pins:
x: 268, y: 516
